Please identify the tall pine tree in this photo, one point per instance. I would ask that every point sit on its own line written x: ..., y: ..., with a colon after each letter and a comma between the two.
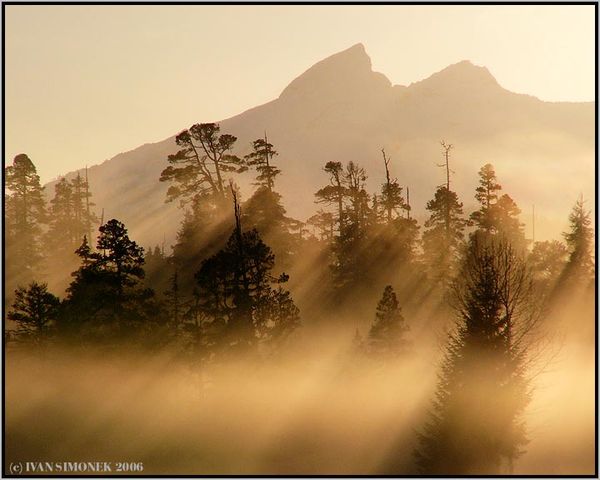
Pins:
x: 25, y: 215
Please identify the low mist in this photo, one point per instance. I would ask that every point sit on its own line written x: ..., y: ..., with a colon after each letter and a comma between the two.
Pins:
x: 318, y: 409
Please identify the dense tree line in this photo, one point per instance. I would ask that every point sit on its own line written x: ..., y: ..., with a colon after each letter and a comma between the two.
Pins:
x: 222, y: 289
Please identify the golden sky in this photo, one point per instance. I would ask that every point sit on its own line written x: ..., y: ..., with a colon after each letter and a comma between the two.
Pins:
x: 84, y: 83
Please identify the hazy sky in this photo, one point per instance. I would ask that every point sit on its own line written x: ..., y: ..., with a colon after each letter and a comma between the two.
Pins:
x: 84, y: 83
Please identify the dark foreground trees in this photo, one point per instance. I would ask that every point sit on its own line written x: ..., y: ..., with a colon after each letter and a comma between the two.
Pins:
x: 34, y: 310
x: 106, y: 300
x: 238, y: 304
x: 476, y: 425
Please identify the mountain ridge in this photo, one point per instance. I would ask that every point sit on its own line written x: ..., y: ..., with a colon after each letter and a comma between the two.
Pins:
x: 340, y: 109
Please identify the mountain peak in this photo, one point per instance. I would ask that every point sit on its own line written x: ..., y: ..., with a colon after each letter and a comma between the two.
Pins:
x: 466, y: 67
x: 337, y: 74
x: 463, y: 74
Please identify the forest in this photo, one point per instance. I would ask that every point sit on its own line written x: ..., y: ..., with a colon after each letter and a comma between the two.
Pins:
x: 356, y: 341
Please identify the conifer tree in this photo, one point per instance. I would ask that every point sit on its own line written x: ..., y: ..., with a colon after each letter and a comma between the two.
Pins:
x: 83, y: 217
x: 351, y: 257
x: 262, y: 159
x: 498, y: 214
x: 197, y: 170
x: 444, y: 234
x: 393, y: 234
x: 70, y: 219
x: 265, y: 212
x: 580, y: 240
x: 476, y: 425
x: 25, y: 214
x: 335, y: 192
x: 34, y: 310
x: 487, y: 195
x: 106, y: 298
x: 506, y: 220
x: 236, y: 294
x: 391, y: 200
x: 197, y: 174
x: 61, y: 219
x: 387, y: 334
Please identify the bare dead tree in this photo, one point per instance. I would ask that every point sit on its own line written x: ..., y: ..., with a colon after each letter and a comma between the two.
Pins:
x: 446, y: 152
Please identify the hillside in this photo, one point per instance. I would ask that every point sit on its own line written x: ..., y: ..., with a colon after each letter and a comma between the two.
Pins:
x: 339, y: 109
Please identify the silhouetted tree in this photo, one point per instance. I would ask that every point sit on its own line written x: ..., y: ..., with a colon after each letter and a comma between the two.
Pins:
x: 334, y: 193
x: 391, y: 234
x: 391, y: 199
x: 201, y: 234
x: 70, y: 219
x: 579, y: 239
x: 197, y: 176
x: 387, y: 334
x: 236, y: 295
x: 265, y: 212
x: 84, y: 218
x: 61, y: 238
x: 443, y: 235
x: 506, y: 221
x: 198, y: 168
x: 350, y: 246
x: 34, y: 310
x: 106, y: 299
x: 487, y: 195
x: 261, y: 159
x: 476, y: 425
x: 62, y: 233
x: 497, y: 215
x: 25, y: 213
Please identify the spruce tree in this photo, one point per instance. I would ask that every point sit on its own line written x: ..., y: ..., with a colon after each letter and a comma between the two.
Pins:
x: 476, y: 425
x: 580, y: 241
x: 387, y: 334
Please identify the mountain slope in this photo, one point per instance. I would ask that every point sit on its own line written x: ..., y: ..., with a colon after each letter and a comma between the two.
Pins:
x: 341, y: 110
